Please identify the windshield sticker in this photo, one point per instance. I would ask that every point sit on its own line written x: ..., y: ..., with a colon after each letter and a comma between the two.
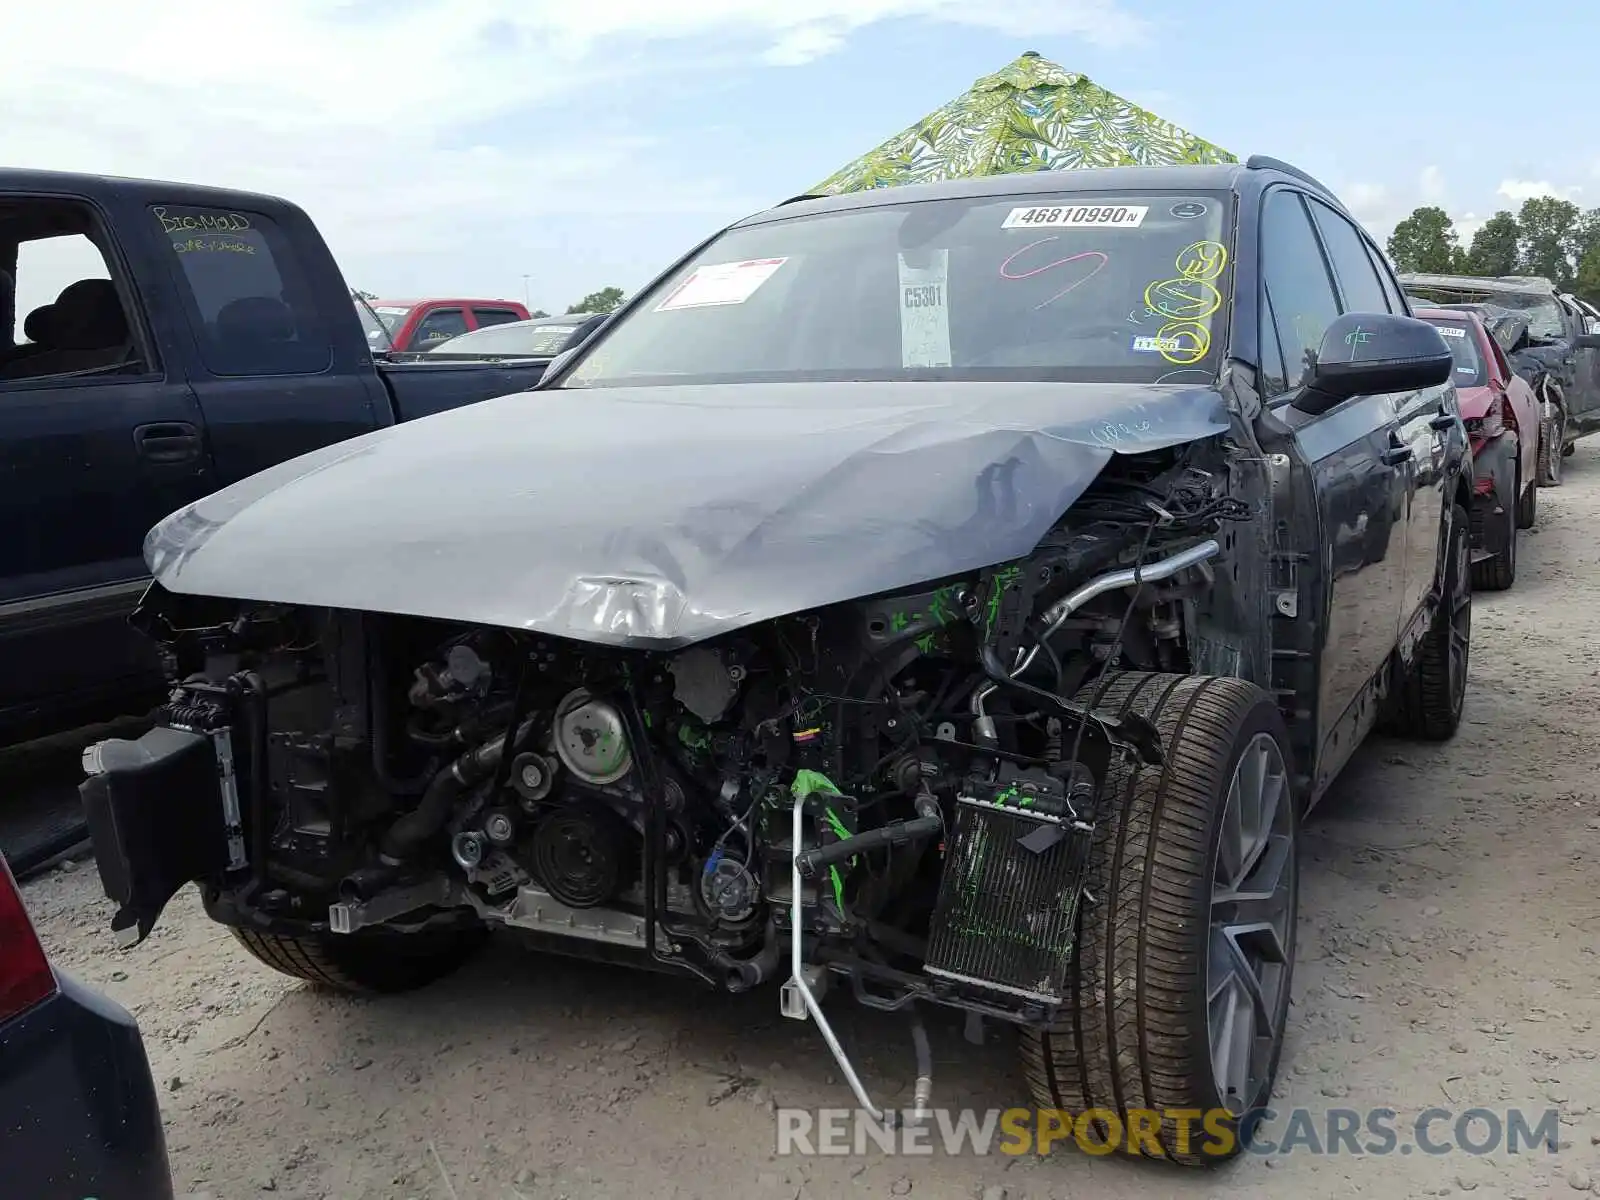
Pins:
x: 1450, y: 332
x: 1119, y: 216
x: 721, y: 283
x: 925, y: 311
x: 385, y: 310
x: 1007, y: 271
x: 1157, y: 345
x: 1188, y: 210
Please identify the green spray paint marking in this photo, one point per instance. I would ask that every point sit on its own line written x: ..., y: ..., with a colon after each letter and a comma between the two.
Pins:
x: 1003, y: 579
x: 942, y: 607
x: 808, y: 783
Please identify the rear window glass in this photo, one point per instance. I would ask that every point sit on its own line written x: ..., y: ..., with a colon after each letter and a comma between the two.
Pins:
x: 251, y: 305
x: 1471, y: 371
x: 532, y: 340
x: 496, y: 316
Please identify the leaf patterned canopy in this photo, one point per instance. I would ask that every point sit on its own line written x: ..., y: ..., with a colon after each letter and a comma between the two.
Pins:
x: 1030, y: 116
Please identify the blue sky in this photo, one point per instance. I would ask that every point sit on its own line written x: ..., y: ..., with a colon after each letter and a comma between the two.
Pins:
x: 456, y: 146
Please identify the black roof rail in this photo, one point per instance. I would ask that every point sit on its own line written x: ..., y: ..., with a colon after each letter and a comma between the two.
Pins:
x: 1262, y: 162
x: 800, y: 197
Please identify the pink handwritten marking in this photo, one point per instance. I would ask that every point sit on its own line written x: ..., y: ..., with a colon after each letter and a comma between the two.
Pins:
x: 1060, y: 262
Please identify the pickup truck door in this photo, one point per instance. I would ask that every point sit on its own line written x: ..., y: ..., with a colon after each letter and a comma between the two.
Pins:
x: 279, y: 363
x: 96, y: 445
x: 1359, y: 493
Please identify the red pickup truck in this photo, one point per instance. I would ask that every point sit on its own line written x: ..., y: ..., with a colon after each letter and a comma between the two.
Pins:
x: 403, y: 325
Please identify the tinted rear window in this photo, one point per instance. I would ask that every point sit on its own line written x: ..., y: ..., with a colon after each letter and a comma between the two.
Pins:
x: 248, y: 299
x: 1463, y: 342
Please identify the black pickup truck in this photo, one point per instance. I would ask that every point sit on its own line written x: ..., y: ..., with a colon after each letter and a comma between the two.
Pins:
x: 208, y: 335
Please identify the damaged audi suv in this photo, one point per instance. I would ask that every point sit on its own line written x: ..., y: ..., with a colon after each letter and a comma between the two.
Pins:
x: 954, y: 594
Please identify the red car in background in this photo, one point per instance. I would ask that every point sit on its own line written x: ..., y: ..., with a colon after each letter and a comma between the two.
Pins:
x: 1501, y: 414
x: 404, y: 325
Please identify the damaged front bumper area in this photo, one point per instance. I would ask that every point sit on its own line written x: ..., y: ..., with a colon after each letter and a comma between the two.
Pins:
x: 897, y: 793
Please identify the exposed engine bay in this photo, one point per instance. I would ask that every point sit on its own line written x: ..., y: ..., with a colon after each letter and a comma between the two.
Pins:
x: 899, y: 791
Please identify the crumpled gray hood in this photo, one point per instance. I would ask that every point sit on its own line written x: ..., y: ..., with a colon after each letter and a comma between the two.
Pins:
x: 661, y: 516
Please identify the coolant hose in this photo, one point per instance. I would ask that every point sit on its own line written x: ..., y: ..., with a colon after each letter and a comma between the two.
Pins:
x: 894, y: 833
x: 746, y: 973
x: 409, y: 832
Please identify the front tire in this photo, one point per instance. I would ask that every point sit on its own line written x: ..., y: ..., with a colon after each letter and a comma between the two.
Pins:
x: 1180, y: 980
x: 1433, y: 694
x: 365, y: 963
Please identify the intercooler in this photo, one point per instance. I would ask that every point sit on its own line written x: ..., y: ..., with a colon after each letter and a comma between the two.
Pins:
x: 1006, y: 916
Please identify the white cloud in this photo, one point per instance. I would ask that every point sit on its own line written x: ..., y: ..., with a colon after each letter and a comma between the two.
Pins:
x: 1467, y: 225
x: 1518, y: 190
x: 1380, y: 207
x: 372, y: 115
x: 1431, y: 187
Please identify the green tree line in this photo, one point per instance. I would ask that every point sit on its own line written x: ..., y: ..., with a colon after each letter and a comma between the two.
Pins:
x: 1546, y: 236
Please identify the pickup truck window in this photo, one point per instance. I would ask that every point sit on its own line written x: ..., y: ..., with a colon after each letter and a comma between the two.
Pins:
x: 62, y: 334
x: 495, y: 316
x: 1296, y: 279
x: 250, y: 305
x: 441, y: 323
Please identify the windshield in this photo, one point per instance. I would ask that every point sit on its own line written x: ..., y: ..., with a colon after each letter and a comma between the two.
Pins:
x: 392, y: 315
x: 377, y: 335
x: 540, y: 340
x: 1086, y: 287
x: 1542, y: 311
x: 1471, y: 371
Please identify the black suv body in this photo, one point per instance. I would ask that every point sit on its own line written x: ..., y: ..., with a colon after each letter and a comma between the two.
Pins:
x: 940, y: 589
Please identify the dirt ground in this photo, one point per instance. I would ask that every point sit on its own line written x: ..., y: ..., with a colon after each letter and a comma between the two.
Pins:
x: 1450, y: 919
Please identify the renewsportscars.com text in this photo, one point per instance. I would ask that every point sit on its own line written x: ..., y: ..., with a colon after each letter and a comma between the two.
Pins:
x: 1016, y: 1131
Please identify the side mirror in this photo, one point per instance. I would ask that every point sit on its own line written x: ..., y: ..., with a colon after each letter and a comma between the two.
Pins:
x: 1590, y: 340
x: 1371, y: 353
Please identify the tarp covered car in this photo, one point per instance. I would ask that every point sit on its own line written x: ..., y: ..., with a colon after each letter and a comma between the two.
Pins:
x: 1029, y: 116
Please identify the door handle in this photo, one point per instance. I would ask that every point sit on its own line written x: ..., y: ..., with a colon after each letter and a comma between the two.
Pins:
x: 167, y: 442
x: 1395, y: 455
x: 1443, y: 421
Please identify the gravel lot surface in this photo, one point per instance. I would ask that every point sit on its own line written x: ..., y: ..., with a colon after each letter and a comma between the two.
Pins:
x: 1450, y: 919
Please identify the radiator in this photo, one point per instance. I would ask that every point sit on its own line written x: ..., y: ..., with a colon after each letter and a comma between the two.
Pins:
x: 1006, y: 916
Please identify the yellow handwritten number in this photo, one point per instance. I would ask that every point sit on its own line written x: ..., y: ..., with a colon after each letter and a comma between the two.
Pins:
x: 1202, y: 260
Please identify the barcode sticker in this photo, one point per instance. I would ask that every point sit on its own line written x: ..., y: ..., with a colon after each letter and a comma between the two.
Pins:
x: 1102, y: 216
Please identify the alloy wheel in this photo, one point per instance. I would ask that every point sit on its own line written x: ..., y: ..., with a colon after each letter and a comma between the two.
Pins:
x: 1251, y: 943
